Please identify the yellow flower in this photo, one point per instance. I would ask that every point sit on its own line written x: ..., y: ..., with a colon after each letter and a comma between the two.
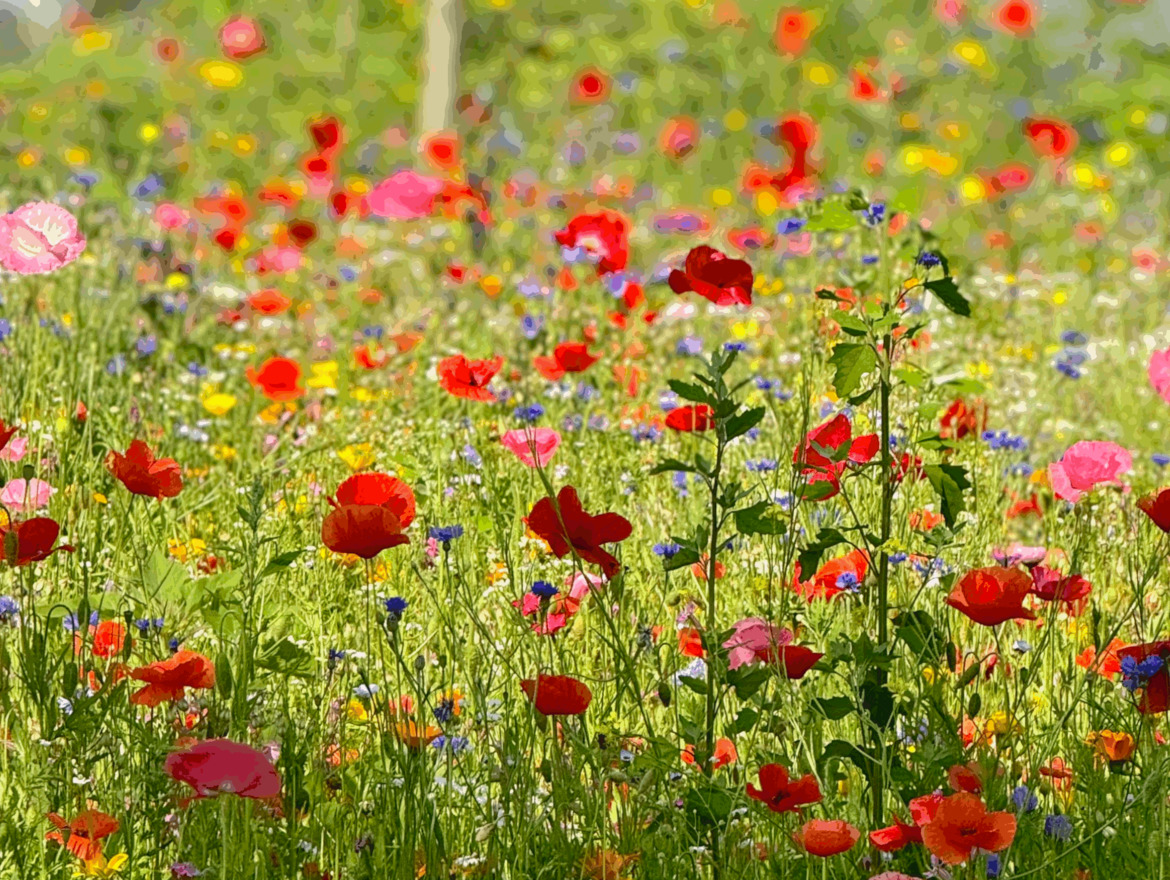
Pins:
x: 970, y: 52
x: 322, y: 374
x: 221, y: 74
x: 99, y: 498
x: 91, y: 41
x: 356, y: 711
x: 219, y: 403
x: 101, y: 867
x: 357, y: 455
x: 223, y: 452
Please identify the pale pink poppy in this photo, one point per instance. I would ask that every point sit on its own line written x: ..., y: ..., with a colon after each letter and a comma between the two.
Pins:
x: 15, y: 449
x: 26, y: 495
x: 39, y: 237
x: 892, y: 875
x: 1159, y: 373
x: 279, y: 259
x: 522, y: 443
x: 580, y: 584
x: 751, y: 635
x: 405, y: 195
x: 1019, y: 554
x: 241, y: 37
x: 168, y: 215
x: 1086, y: 464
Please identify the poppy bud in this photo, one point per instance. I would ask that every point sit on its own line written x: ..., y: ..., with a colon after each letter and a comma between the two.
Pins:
x: 420, y: 663
x: 664, y: 694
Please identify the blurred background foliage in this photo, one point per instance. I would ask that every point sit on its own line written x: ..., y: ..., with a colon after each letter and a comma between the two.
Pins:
x: 923, y: 100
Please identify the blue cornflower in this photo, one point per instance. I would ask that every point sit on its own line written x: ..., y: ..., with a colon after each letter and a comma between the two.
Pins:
x: 456, y: 744
x: 1070, y: 370
x: 445, y: 534
x: 5, y: 329
x: 395, y: 606
x: 8, y: 609
x: 679, y: 479
x: 146, y: 346
x: 529, y: 413
x: 764, y: 465
x: 1074, y: 337
x: 1057, y: 826
x: 1024, y: 800
x: 544, y: 590
x: 336, y: 655
x: 790, y: 225
x: 875, y: 213
x: 531, y: 325
x: 993, y: 865
x: 373, y: 332
x: 1021, y: 646
x: 643, y: 433
x: 666, y: 550
x: 928, y: 259
x: 148, y: 187
x: 116, y: 365
x: 763, y: 384
x: 848, y: 582
x: 348, y: 273
x: 444, y: 710
x: 142, y: 625
x: 472, y: 457
x: 1161, y: 459
x: 690, y: 345
x: 173, y: 645
x: 870, y: 259
x: 735, y: 346
x: 1136, y: 674
x: 898, y: 558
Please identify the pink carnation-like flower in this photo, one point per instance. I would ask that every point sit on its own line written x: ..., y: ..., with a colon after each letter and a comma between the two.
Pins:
x: 1087, y: 464
x: 26, y: 495
x: 522, y: 443
x: 753, y: 635
x: 39, y: 237
x: 1159, y: 373
x: 405, y: 195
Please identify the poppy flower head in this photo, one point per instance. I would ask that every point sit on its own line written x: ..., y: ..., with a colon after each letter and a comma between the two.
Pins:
x: 566, y: 527
x: 441, y: 150
x: 686, y: 419
x: 240, y: 37
x: 793, y: 28
x: 792, y: 661
x: 603, y: 236
x: 567, y: 357
x: 827, y: 452
x: 844, y: 574
x: 6, y: 434
x: 39, y: 237
x: 83, y: 834
x: 716, y: 277
x: 167, y: 680
x: 378, y: 490
x: 1144, y: 668
x: 962, y: 824
x: 1053, y: 586
x: 826, y: 837
x: 327, y: 134
x: 139, y: 471
x: 30, y: 540
x: 1050, y: 137
x: 1086, y: 465
x: 782, y: 794
x: 962, y: 419
x: 1016, y: 17
x: 460, y: 377
x: 362, y: 530
x: 533, y: 446
x: 221, y: 766
x: 993, y: 595
x: 557, y: 694
x: 590, y: 86
x: 278, y: 379
x: 1156, y: 507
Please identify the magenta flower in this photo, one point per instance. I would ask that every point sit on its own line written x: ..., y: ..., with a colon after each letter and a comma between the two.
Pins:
x: 405, y: 195
x: 527, y: 441
x: 26, y: 495
x: 1159, y: 373
x: 1087, y: 464
x: 39, y: 237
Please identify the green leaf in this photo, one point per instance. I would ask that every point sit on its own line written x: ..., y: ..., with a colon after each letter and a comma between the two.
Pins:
x: 685, y: 556
x: 948, y: 294
x: 921, y: 635
x: 747, y: 680
x: 745, y: 720
x: 851, y: 324
x: 850, y: 364
x: 689, y: 391
x: 710, y: 805
x: 810, y: 557
x: 762, y: 518
x: 280, y: 562
x: 949, y: 481
x: 740, y: 424
x: 670, y: 465
x: 287, y: 658
x: 825, y: 293
x: 833, y: 708
x: 841, y: 750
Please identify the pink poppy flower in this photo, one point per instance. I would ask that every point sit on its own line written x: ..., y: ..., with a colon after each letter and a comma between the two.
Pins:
x: 15, y: 449
x: 751, y: 636
x: 523, y: 443
x: 39, y: 237
x: 1159, y: 373
x: 580, y: 584
x: 168, y: 215
x: 1019, y: 554
x: 220, y: 766
x: 26, y: 495
x: 1087, y: 464
x: 405, y: 195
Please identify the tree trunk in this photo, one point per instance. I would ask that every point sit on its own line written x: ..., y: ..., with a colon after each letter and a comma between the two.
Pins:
x: 440, y: 66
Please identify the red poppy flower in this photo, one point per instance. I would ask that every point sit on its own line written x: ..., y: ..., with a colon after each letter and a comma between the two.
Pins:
x: 577, y: 531
x: 965, y: 777
x: 1052, y: 586
x: 827, y: 452
x: 691, y: 418
x: 557, y: 694
x: 793, y: 660
x: 269, y: 301
x: 31, y: 540
x: 793, y: 28
x: 900, y: 834
x: 993, y: 595
x: 1016, y: 17
x: 908, y: 465
x: 167, y: 49
x: 835, y: 577
x: 604, y: 236
x: 82, y: 835
x: 278, y: 379
x: 369, y: 514
x: 302, y: 233
x: 460, y: 377
x: 328, y: 135
x: 962, y: 419
x: 6, y: 433
x: 725, y: 753
x: 590, y: 86
x: 1050, y: 137
x: 690, y: 642
x: 108, y: 639
x: 826, y: 837
x: 864, y: 88
x: 1155, y: 698
x: 143, y: 474
x: 962, y: 824
x: 1156, y: 507
x: 1010, y: 177
x: 796, y: 133
x: 780, y: 793
x: 568, y: 357
x: 221, y: 766
x: 715, y: 277
x: 441, y: 149
x: 167, y: 680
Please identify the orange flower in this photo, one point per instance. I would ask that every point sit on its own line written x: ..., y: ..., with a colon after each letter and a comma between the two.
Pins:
x: 725, y: 753
x: 278, y: 379
x: 85, y: 833
x: 962, y: 824
x: 826, y: 837
x: 605, y: 865
x: 168, y: 679
x: 1112, y: 747
x: 416, y: 735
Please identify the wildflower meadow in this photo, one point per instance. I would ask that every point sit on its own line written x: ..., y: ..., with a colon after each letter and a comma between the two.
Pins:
x: 550, y: 441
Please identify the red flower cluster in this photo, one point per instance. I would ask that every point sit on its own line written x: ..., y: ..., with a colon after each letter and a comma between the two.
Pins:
x: 557, y: 694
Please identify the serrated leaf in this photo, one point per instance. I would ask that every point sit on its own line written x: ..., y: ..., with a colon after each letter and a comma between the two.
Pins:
x: 850, y: 364
x: 689, y: 391
x: 949, y: 481
x: 739, y: 425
